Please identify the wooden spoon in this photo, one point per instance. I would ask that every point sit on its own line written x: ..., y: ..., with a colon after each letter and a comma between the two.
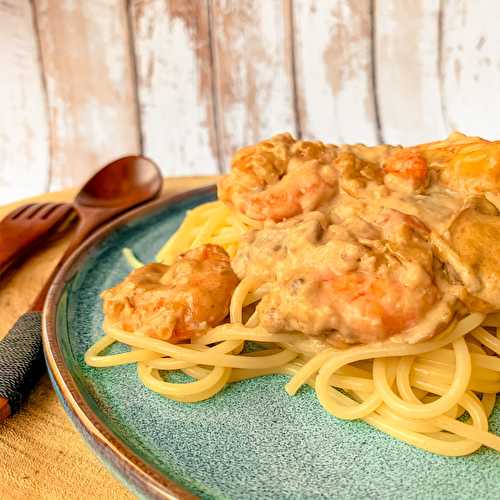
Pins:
x: 119, y: 186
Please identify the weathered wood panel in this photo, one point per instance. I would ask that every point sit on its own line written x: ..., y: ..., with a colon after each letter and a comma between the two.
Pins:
x: 253, y: 71
x: 87, y: 62
x: 407, y: 70
x: 214, y: 75
x: 24, y: 154
x: 173, y: 60
x: 471, y: 66
x: 334, y: 70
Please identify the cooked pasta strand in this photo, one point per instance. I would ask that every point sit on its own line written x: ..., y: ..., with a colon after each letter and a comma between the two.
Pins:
x: 414, y: 392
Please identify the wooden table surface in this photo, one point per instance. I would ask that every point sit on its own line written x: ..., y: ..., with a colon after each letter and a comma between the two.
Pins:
x: 41, y: 454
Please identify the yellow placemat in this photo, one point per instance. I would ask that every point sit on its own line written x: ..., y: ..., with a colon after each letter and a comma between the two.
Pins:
x: 41, y: 454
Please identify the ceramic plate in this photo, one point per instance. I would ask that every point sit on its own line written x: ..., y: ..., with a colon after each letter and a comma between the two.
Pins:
x: 251, y: 440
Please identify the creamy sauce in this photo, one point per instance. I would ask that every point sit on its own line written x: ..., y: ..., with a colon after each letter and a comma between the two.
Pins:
x: 383, y: 256
x: 361, y: 280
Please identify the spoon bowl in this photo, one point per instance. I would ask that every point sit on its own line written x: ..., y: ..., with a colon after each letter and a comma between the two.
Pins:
x: 125, y: 182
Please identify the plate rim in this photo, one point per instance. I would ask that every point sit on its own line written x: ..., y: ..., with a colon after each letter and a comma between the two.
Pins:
x: 107, y: 446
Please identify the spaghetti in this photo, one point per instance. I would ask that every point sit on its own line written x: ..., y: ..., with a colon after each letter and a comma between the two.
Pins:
x: 436, y: 394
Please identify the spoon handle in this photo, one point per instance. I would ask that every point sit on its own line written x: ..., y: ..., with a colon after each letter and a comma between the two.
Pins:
x: 21, y: 361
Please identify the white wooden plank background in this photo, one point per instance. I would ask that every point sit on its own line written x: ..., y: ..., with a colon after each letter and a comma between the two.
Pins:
x: 173, y: 63
x: 407, y: 62
x: 24, y: 147
x: 187, y: 82
x: 253, y: 71
x: 90, y: 86
x: 471, y: 66
x: 334, y: 70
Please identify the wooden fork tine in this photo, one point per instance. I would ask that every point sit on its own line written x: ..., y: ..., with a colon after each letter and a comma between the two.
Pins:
x: 61, y: 212
x: 17, y: 212
x: 64, y: 207
x: 48, y: 210
x: 32, y: 211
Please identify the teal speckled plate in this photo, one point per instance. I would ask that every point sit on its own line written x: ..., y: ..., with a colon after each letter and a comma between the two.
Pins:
x: 250, y: 441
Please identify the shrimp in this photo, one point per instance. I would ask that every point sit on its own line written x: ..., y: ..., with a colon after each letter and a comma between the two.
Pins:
x: 465, y: 164
x: 280, y: 178
x: 406, y: 170
x: 364, y: 287
x: 474, y: 237
x: 355, y: 307
x: 396, y: 296
x: 373, y: 308
x: 474, y: 168
x: 174, y: 303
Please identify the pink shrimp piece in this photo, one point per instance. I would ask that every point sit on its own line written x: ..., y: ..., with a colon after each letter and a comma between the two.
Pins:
x: 178, y: 302
x: 337, y: 286
x: 280, y: 178
x: 373, y: 308
x: 409, y: 169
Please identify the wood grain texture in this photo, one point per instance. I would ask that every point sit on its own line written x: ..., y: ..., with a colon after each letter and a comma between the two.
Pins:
x: 173, y: 60
x: 407, y: 69
x: 24, y: 147
x: 253, y: 71
x: 214, y: 75
x: 334, y: 71
x: 471, y: 66
x: 89, y: 76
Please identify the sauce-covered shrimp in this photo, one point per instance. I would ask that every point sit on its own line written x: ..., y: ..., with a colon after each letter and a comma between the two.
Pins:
x: 280, y: 178
x: 352, y: 282
x: 177, y: 302
x: 406, y: 170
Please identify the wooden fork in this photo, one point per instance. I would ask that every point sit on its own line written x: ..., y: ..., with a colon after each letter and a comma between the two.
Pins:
x: 25, y: 227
